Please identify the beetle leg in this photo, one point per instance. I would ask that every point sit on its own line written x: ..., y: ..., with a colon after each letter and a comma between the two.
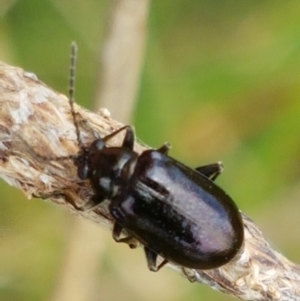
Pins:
x: 128, y: 139
x: 151, y: 258
x: 93, y: 202
x: 164, y: 149
x: 211, y: 171
x: 190, y: 274
x: 130, y: 240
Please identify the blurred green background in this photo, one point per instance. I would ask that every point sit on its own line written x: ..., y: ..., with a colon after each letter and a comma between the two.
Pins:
x: 220, y: 82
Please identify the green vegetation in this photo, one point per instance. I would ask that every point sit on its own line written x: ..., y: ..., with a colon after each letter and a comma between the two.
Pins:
x: 220, y: 82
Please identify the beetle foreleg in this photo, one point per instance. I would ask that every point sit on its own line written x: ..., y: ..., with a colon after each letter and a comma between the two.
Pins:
x: 211, y: 171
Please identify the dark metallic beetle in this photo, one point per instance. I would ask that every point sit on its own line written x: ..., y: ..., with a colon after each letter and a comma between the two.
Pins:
x: 173, y: 210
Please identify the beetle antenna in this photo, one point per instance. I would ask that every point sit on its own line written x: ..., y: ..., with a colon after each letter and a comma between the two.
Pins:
x: 71, y: 101
x: 72, y: 91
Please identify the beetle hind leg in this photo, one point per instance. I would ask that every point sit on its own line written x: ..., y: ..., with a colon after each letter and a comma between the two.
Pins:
x: 151, y: 258
x: 211, y: 171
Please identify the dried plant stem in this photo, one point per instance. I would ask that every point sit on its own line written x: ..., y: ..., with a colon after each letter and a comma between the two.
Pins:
x: 122, y: 56
x: 35, y: 122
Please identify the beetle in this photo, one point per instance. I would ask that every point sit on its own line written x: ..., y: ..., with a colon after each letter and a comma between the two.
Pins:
x: 176, y: 212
